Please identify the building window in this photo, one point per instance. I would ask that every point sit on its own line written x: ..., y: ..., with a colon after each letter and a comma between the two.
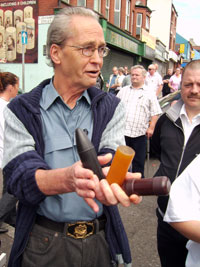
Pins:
x: 132, y: 22
x: 97, y: 5
x: 127, y: 15
x: 65, y: 1
x: 81, y: 3
x: 139, y: 24
x: 147, y: 23
x: 117, y: 13
x: 107, y: 8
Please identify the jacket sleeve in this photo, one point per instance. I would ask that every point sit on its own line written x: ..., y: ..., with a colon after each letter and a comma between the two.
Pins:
x: 21, y: 161
x: 113, y: 135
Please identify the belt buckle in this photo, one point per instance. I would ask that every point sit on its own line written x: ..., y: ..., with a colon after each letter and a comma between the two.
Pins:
x: 80, y: 230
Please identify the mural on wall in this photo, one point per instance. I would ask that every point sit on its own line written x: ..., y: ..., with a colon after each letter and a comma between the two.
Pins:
x: 18, y: 31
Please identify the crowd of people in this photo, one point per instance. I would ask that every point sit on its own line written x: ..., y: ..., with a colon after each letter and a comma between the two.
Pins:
x: 66, y: 216
x: 162, y: 86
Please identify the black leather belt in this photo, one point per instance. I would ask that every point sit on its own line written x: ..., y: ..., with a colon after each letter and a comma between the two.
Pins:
x: 76, y: 230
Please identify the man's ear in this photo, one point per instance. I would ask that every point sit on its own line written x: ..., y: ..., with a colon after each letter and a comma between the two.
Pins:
x: 55, y: 52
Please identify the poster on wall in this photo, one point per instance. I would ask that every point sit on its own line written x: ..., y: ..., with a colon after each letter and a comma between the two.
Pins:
x: 16, y: 19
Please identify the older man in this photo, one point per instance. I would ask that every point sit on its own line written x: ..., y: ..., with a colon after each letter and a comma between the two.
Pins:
x: 142, y: 110
x: 66, y: 216
x: 176, y: 143
x: 112, y: 82
x: 153, y: 81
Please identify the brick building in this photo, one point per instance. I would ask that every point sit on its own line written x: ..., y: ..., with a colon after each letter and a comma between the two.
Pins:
x: 126, y: 25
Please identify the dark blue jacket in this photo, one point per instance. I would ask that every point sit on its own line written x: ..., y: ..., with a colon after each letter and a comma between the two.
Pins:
x: 20, y: 171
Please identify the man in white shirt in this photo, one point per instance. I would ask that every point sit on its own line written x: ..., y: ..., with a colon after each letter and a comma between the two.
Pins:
x: 142, y: 110
x: 153, y: 80
x: 183, y: 212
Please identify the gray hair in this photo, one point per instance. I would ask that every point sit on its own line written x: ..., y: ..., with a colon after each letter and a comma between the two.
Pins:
x: 60, y: 29
x: 144, y: 72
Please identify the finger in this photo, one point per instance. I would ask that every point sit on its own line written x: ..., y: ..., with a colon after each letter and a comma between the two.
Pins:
x: 81, y: 172
x: 136, y: 175
x: 98, y: 191
x: 105, y: 158
x: 92, y: 204
x: 105, y: 170
x: 121, y: 196
x: 85, y: 184
x: 135, y: 199
x: 85, y: 193
x: 108, y: 193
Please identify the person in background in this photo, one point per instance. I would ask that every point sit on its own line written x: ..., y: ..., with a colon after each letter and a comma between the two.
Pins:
x: 126, y: 70
x: 153, y: 81
x: 183, y: 212
x: 127, y: 80
x: 100, y: 81
x: 9, y: 86
x: 112, y: 81
x: 142, y: 110
x: 175, y: 81
x: 166, y: 88
x: 66, y: 216
x: 176, y: 143
x: 120, y: 79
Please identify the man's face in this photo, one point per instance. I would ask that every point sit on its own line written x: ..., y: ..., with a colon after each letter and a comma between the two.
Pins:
x: 78, y: 70
x: 137, y: 78
x: 151, y: 70
x: 115, y: 71
x: 190, y: 89
x: 169, y: 71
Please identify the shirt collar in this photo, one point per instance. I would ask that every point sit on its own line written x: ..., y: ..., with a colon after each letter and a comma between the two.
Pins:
x: 141, y: 88
x: 183, y: 114
x: 50, y: 95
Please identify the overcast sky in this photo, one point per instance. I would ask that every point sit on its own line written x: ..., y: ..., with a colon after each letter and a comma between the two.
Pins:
x: 188, y: 23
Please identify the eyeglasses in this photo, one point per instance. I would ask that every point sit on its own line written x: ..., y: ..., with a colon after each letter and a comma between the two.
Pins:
x: 151, y: 69
x: 88, y: 51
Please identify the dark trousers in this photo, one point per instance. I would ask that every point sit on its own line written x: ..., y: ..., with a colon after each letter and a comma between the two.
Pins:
x: 55, y: 249
x: 170, y: 244
x: 139, y: 145
x: 7, y: 206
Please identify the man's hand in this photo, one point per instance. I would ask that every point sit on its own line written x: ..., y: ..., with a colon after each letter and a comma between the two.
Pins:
x: 85, y: 183
x: 111, y: 194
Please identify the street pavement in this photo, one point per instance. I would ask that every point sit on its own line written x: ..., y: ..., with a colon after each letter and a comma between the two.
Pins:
x: 139, y: 221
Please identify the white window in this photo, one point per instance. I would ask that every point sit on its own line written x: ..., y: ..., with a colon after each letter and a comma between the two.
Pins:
x: 139, y: 24
x: 127, y: 15
x: 65, y: 1
x: 81, y: 3
x: 107, y: 8
x: 117, y: 13
x: 132, y: 22
x: 147, y: 23
x: 97, y: 5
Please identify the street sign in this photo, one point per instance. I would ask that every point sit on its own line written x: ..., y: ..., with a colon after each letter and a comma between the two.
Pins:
x: 24, y: 37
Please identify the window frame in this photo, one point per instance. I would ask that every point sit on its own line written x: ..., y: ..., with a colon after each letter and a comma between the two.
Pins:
x: 118, y: 13
x: 127, y: 19
x: 81, y: 4
x: 139, y: 26
x: 107, y: 9
x: 147, y: 23
x: 97, y: 2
